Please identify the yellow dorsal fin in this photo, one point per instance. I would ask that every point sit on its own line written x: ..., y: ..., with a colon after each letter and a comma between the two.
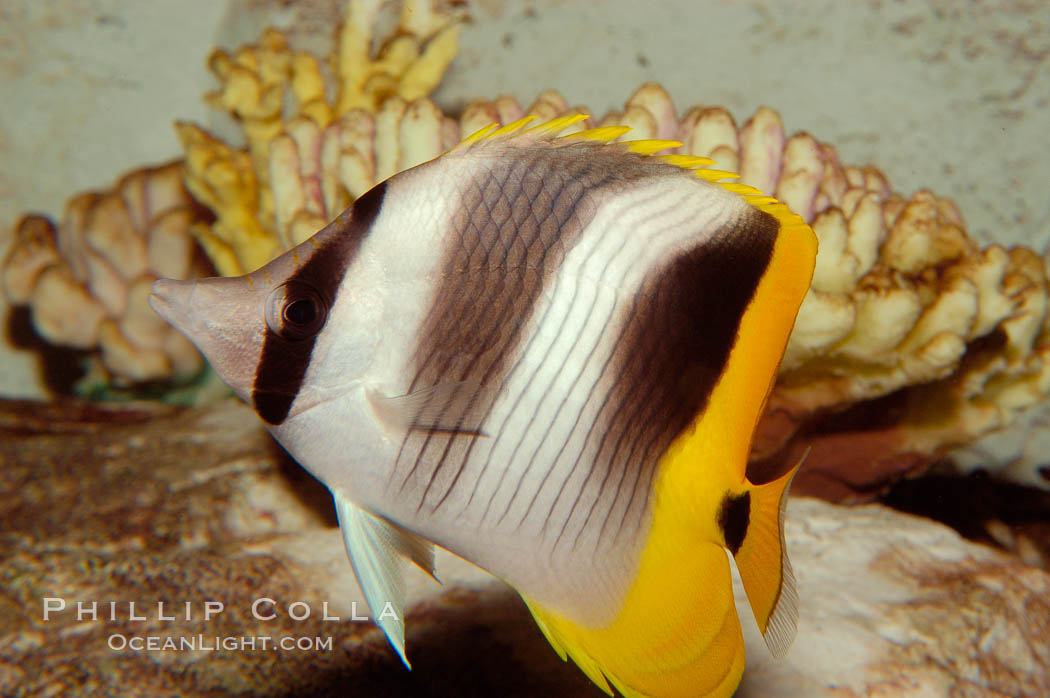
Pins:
x: 760, y: 201
x: 716, y: 175
x: 649, y: 146
x: 480, y: 134
x: 792, y: 223
x: 548, y: 129
x: 604, y: 134
x: 687, y: 162
x: 737, y: 188
x: 513, y: 127
x: 556, y: 126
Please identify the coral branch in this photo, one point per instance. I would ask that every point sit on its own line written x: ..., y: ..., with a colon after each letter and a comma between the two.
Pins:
x: 912, y: 340
x: 87, y: 280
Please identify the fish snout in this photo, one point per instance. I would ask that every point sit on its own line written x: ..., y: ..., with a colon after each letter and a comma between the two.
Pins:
x: 222, y: 317
x: 170, y: 298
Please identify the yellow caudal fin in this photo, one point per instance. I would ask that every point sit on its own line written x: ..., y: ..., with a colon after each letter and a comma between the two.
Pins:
x: 762, y: 559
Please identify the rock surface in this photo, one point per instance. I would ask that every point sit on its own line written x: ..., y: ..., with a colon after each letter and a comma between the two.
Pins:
x: 895, y: 605
x: 149, y: 504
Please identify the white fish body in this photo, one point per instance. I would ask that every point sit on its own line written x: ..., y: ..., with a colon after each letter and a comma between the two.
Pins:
x: 499, y: 352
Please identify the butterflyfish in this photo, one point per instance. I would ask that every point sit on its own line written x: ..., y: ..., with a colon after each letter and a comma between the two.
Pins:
x: 546, y: 354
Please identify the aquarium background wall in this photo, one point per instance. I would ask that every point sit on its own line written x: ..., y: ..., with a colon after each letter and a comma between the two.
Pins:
x: 946, y: 95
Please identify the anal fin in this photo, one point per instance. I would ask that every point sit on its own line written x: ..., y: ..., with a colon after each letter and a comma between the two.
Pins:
x: 566, y: 648
x: 374, y: 545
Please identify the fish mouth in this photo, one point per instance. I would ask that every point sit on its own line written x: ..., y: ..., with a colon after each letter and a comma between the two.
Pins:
x: 170, y: 299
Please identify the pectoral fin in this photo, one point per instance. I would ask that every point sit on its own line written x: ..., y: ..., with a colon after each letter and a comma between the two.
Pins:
x: 373, y: 545
x: 449, y: 407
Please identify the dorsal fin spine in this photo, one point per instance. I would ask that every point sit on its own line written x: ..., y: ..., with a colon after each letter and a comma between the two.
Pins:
x: 602, y: 134
x: 686, y: 162
x: 649, y: 146
x: 759, y: 200
x: 480, y: 134
x: 513, y: 127
x: 737, y: 188
x: 716, y: 175
x: 556, y: 126
x: 699, y: 165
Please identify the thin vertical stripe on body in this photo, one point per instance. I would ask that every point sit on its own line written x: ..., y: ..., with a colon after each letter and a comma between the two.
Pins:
x: 518, y: 220
x: 607, y: 325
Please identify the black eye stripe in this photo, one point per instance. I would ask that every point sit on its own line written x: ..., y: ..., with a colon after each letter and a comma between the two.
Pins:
x: 283, y: 363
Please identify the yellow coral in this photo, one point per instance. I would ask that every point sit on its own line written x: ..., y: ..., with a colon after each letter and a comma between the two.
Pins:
x: 255, y: 82
x: 223, y: 179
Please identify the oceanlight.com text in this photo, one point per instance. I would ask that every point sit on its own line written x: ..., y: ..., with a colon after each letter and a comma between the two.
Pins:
x: 119, y: 642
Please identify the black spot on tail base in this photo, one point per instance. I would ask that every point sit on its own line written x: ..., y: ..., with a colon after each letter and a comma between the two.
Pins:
x: 733, y: 517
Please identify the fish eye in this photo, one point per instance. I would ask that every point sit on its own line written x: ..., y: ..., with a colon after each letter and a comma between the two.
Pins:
x: 300, y: 312
x: 295, y: 311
